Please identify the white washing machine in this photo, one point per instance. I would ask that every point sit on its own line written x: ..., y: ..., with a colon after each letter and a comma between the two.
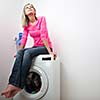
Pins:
x: 45, y: 80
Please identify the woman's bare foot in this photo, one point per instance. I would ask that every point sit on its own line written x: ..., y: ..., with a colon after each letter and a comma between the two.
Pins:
x: 10, y: 91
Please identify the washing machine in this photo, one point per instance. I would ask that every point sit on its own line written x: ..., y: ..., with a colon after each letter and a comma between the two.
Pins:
x: 43, y: 80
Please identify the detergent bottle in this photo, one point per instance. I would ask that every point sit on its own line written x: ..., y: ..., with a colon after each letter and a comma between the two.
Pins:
x: 18, y: 40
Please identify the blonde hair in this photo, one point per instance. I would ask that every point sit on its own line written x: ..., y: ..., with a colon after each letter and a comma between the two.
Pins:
x: 25, y: 18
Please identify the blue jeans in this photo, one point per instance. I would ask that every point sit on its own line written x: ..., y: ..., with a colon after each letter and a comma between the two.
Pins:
x: 23, y: 63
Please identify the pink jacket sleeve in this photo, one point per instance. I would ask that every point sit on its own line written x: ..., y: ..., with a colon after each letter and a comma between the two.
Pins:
x: 43, y: 28
x: 24, y: 36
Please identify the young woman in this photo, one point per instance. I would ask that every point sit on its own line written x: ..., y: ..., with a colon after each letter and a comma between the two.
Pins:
x: 36, y: 27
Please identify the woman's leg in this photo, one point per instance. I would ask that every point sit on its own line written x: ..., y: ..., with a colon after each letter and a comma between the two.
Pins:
x: 21, y: 67
x: 14, y: 79
x: 29, y: 54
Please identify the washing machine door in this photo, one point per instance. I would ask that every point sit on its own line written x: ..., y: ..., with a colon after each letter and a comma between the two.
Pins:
x: 36, y: 84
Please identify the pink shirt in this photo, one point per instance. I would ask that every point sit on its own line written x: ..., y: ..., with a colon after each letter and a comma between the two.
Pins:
x: 38, y: 32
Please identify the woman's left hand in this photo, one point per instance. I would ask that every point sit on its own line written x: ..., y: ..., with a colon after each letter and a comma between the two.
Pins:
x: 54, y: 55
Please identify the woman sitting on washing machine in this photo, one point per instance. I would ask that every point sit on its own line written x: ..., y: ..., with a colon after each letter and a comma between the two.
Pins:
x: 36, y: 27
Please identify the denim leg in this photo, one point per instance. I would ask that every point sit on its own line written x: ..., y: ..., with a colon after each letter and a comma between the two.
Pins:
x: 14, y: 78
x: 23, y: 63
x: 29, y: 54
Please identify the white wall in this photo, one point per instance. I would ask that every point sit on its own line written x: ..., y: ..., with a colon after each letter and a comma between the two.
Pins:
x: 74, y: 29
x: 74, y: 26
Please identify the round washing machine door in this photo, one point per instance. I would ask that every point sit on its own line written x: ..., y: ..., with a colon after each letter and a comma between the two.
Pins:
x: 36, y: 84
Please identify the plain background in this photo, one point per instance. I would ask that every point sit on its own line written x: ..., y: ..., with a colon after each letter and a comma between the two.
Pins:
x: 74, y: 27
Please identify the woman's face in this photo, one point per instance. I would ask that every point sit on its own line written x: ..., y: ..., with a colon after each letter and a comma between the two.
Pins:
x: 29, y: 10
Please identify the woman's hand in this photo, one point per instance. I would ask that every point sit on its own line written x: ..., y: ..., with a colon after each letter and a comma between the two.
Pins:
x: 54, y: 55
x: 48, y: 48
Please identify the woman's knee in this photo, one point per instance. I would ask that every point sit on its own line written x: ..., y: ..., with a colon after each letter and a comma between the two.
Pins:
x: 27, y: 53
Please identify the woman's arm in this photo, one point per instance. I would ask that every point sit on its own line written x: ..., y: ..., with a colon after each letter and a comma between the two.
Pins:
x: 47, y: 46
x: 44, y: 35
x: 24, y: 38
